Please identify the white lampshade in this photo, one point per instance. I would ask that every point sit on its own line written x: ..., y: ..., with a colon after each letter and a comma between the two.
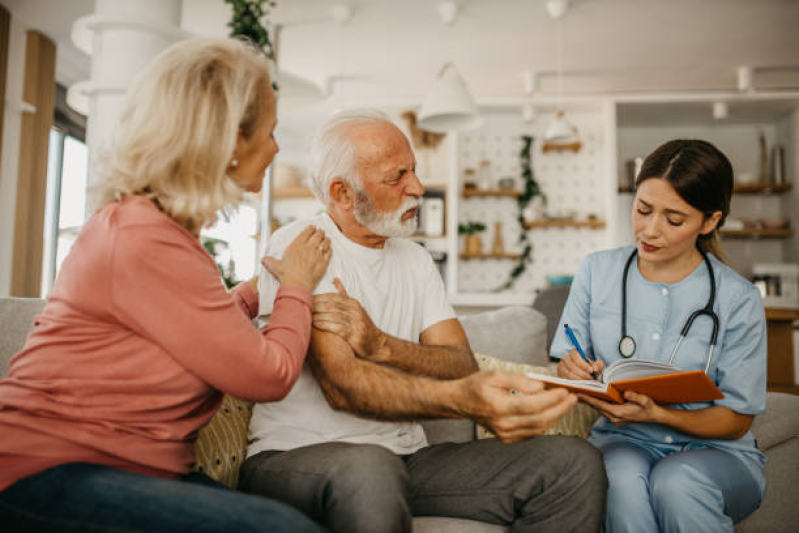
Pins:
x: 561, y: 131
x: 448, y: 106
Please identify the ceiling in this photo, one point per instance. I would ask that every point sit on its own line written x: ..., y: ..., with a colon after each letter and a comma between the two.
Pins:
x: 392, y: 50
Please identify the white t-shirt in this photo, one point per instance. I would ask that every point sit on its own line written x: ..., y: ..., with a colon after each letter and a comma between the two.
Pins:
x: 401, y: 290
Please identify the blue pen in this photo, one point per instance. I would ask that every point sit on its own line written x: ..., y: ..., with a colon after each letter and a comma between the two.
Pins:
x: 576, y: 344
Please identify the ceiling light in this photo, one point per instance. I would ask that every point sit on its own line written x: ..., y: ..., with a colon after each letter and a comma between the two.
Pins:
x: 720, y: 110
x: 745, y: 79
x: 449, y: 106
x: 561, y: 131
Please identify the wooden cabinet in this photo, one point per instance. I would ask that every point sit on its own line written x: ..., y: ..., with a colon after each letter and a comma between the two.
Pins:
x: 781, y: 372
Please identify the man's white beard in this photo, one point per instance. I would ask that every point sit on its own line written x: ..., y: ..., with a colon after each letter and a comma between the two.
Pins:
x: 384, y: 224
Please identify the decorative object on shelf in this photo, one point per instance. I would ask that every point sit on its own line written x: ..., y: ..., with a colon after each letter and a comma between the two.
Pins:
x: 246, y: 22
x: 556, y: 280
x: 632, y: 167
x: 498, y: 247
x: 530, y: 191
x: 763, y: 174
x: 778, y: 283
x: 469, y: 180
x: 507, y: 183
x: 484, y: 180
x: 431, y: 213
x: 777, y: 165
x: 448, y: 106
x: 217, y: 249
x: 473, y: 244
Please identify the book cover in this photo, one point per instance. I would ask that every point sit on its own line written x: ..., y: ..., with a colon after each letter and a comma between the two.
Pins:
x: 663, y: 383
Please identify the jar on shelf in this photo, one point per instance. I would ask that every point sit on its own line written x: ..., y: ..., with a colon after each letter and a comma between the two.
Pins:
x: 484, y: 178
x: 469, y: 179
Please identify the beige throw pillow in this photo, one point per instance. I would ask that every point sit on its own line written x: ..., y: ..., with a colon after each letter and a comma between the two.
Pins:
x: 577, y: 422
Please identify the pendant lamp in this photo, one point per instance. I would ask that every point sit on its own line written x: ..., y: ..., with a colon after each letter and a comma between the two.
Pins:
x: 449, y: 106
x: 560, y: 132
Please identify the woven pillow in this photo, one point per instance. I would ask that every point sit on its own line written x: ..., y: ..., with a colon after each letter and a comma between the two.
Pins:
x: 221, y: 446
x: 577, y: 421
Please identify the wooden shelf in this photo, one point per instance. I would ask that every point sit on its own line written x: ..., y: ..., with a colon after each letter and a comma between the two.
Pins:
x: 590, y: 224
x: 740, y: 188
x: 477, y: 193
x: 292, y: 192
x: 757, y: 233
x: 466, y: 256
x: 784, y: 388
x: 762, y: 188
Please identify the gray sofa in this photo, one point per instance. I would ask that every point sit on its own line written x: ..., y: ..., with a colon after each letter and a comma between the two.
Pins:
x: 519, y: 334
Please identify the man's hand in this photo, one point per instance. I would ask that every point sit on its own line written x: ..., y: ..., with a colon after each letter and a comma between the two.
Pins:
x: 637, y: 408
x: 573, y: 366
x: 344, y: 316
x: 513, y: 406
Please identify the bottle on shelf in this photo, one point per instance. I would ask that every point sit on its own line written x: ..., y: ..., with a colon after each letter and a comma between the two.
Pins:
x: 484, y: 179
x: 498, y: 247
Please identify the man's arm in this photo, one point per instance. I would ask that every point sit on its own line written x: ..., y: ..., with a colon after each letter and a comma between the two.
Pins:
x: 362, y: 387
x: 444, y: 351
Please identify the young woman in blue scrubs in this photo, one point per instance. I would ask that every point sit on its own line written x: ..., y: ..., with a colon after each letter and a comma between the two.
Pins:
x: 690, y: 467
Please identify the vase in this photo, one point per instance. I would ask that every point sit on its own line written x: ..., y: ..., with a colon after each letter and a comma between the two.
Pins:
x: 474, y: 245
x: 498, y: 247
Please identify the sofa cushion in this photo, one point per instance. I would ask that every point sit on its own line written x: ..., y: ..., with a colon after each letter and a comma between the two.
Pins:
x: 16, y: 318
x: 515, y: 333
x: 779, y: 423
x: 221, y: 446
x: 577, y: 422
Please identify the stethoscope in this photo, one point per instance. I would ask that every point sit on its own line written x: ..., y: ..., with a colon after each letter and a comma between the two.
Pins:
x: 627, y: 344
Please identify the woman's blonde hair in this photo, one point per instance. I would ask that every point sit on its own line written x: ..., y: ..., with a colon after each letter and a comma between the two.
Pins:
x: 179, y: 125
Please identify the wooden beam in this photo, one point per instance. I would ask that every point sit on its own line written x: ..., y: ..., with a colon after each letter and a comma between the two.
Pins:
x: 5, y: 37
x: 39, y: 91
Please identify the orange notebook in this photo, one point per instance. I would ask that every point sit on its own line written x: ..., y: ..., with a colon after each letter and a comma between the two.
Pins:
x: 665, y: 384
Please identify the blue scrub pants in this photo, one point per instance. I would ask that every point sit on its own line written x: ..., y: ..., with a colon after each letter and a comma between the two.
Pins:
x: 696, y: 490
x: 81, y: 498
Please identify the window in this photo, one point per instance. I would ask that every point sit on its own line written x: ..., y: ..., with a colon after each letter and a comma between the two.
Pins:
x: 65, y: 210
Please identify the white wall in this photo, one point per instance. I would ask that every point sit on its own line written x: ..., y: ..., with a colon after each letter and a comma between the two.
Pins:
x: 9, y: 171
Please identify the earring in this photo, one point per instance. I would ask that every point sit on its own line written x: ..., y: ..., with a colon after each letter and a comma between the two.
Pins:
x: 234, y: 162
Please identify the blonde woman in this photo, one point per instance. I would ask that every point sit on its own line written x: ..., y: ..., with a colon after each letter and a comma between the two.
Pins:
x: 139, y: 338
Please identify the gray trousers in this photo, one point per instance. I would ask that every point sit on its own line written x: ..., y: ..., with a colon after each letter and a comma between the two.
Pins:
x: 540, y: 484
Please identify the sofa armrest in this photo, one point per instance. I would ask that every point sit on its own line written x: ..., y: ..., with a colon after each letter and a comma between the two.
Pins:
x: 780, y: 422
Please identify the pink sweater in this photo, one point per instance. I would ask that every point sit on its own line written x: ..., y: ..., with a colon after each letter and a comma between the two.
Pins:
x: 139, y: 335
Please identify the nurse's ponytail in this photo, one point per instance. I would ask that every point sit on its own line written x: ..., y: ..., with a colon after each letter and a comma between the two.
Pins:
x: 702, y: 175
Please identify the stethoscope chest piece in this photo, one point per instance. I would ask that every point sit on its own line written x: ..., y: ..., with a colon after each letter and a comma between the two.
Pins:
x: 627, y: 346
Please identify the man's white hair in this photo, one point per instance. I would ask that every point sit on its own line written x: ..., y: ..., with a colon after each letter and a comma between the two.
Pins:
x: 333, y: 154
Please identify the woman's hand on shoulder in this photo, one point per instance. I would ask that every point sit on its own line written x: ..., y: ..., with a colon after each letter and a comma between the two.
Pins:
x: 305, y: 260
x: 573, y: 366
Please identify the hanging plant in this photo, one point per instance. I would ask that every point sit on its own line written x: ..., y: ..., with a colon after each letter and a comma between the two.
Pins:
x: 246, y: 22
x: 530, y: 190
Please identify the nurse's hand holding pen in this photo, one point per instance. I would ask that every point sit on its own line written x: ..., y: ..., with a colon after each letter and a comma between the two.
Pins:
x: 573, y: 366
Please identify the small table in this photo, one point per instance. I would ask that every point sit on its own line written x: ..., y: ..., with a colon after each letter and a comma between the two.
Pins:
x: 780, y: 349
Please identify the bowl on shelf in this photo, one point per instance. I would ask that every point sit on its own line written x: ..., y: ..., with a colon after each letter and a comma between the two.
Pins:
x: 556, y: 280
x: 775, y: 223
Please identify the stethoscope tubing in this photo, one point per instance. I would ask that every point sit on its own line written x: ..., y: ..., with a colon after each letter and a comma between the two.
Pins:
x: 627, y: 341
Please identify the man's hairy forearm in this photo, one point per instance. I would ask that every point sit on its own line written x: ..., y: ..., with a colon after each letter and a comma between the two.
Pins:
x: 375, y: 390
x: 440, y: 362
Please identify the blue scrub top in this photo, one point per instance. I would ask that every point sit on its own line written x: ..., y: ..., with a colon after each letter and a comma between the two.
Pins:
x: 656, y: 313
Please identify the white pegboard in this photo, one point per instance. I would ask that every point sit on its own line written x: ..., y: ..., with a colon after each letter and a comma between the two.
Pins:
x: 574, y: 184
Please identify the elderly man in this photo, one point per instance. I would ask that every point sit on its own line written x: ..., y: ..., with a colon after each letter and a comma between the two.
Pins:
x: 387, y: 349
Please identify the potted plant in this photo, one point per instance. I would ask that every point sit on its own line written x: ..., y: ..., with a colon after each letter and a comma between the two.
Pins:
x: 473, y: 244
